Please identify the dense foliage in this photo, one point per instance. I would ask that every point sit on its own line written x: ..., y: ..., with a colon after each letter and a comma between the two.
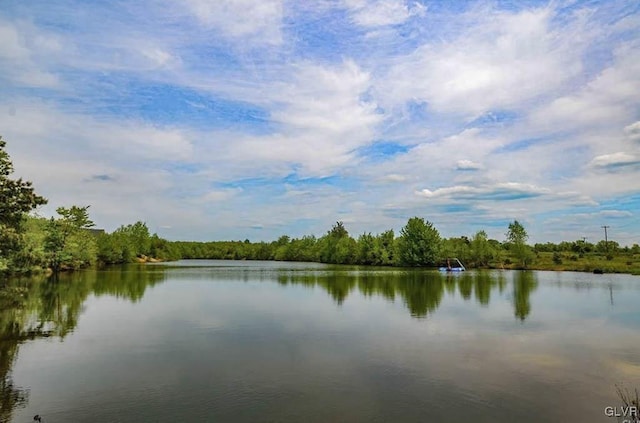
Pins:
x: 17, y: 198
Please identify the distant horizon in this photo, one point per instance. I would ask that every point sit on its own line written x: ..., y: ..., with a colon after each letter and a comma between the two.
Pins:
x: 231, y: 120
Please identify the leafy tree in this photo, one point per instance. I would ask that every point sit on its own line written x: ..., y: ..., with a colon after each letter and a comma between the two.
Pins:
x: 131, y: 241
x: 581, y: 246
x: 17, y: 198
x: 419, y: 243
x: 517, y: 234
x: 345, y: 251
x: 457, y: 247
x: 31, y: 255
x: 517, y: 237
x: 386, y: 243
x: 367, y: 252
x: 337, y: 246
x: 607, y: 246
x: 338, y: 231
x: 481, y: 250
x: 163, y: 249
x: 67, y: 242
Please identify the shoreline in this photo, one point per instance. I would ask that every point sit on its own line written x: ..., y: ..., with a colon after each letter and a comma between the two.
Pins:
x: 558, y: 268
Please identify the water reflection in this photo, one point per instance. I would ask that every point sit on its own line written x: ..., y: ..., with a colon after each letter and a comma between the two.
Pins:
x: 422, y: 292
x: 232, y: 341
x: 524, y: 284
x: 41, y: 307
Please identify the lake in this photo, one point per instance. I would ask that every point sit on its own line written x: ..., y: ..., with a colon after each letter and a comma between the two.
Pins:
x: 205, y: 341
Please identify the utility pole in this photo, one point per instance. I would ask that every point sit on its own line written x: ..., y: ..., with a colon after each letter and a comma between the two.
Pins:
x: 606, y: 240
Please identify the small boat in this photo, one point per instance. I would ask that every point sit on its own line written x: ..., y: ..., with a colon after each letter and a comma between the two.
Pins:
x: 452, y: 265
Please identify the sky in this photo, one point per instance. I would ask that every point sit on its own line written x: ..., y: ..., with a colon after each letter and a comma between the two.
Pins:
x: 234, y: 119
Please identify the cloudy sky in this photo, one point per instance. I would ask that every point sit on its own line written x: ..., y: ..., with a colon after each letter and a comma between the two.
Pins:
x: 233, y: 119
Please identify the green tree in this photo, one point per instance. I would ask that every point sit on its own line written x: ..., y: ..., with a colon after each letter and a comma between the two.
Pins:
x: 481, y: 250
x: 67, y: 242
x: 604, y: 247
x: 345, y: 251
x: 419, y: 243
x: 337, y: 246
x: 367, y: 252
x: 338, y: 231
x: 386, y: 243
x: 457, y: 247
x: 517, y: 238
x: 131, y: 241
x: 17, y: 198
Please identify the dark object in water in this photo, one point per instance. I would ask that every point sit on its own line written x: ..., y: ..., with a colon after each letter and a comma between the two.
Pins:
x: 37, y: 418
x: 598, y: 271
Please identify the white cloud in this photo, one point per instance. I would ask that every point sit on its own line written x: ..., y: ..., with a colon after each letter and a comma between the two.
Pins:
x: 616, y: 213
x: 373, y: 13
x: 614, y: 160
x: 607, y: 99
x: 633, y: 131
x: 394, y: 177
x: 467, y: 165
x: 22, y: 48
x: 500, y: 60
x: 257, y: 20
x: 62, y: 153
x: 323, y: 119
x: 56, y: 133
x: 500, y: 191
x: 12, y: 46
x: 157, y: 55
x: 220, y: 195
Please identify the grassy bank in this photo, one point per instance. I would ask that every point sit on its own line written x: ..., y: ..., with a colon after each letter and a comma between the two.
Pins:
x: 568, y: 261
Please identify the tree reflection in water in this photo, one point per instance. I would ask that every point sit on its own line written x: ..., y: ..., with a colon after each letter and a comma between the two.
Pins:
x: 50, y: 307
x: 523, y: 285
x: 41, y: 307
x: 422, y: 292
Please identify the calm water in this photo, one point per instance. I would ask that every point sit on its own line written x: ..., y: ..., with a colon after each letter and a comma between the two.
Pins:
x: 205, y: 341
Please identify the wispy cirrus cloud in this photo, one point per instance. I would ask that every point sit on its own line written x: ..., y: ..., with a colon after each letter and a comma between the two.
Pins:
x: 375, y: 13
x: 248, y: 20
x: 501, y: 59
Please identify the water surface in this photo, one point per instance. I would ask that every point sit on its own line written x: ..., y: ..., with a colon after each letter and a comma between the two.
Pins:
x: 289, y: 342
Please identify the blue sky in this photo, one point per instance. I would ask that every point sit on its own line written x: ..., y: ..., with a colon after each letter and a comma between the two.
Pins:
x: 234, y: 119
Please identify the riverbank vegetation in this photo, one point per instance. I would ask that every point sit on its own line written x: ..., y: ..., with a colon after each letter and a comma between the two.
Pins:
x: 419, y: 244
x: 69, y: 241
